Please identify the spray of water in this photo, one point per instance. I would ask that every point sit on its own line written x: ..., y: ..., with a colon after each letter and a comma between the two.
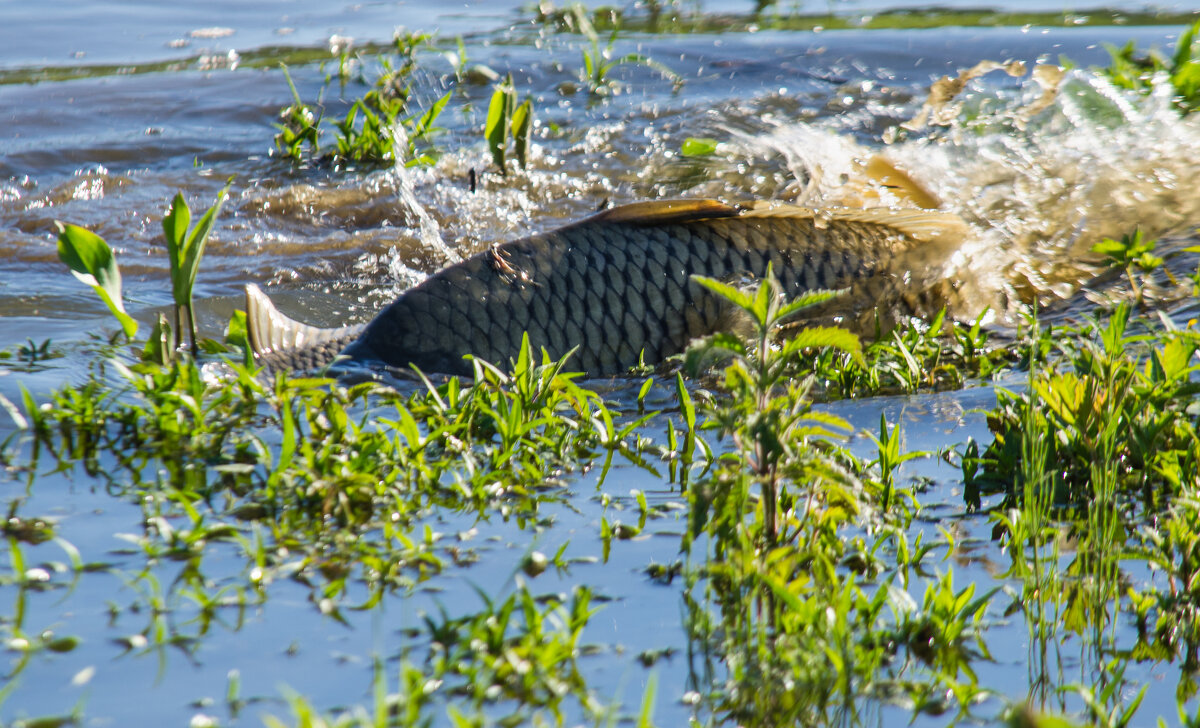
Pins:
x: 429, y: 232
x: 1040, y: 176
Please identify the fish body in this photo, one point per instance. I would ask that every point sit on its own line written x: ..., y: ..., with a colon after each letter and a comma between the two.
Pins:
x: 617, y: 286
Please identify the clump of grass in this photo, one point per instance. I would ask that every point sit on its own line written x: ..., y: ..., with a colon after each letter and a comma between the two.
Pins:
x: 300, y: 126
x: 1113, y: 388
x: 374, y: 123
x: 798, y: 636
x: 1132, y: 69
x: 598, y: 62
x: 513, y: 662
x: 1167, y: 610
x: 937, y: 355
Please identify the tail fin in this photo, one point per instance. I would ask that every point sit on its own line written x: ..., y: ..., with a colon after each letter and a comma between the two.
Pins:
x: 282, y: 342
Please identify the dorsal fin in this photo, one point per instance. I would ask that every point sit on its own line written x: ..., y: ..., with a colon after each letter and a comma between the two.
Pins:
x: 902, y: 184
x: 666, y: 212
x: 920, y: 225
x: 270, y: 331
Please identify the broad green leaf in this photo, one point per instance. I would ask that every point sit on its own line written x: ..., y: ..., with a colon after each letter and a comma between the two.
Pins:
x: 495, y: 129
x: 827, y: 336
x: 764, y: 295
x: 728, y: 342
x: 726, y: 291
x: 1183, y: 47
x: 237, y: 332
x: 237, y: 335
x: 522, y: 122
x: 806, y: 300
x: 93, y: 263
x: 1174, y: 357
x: 175, y: 225
x: 698, y: 146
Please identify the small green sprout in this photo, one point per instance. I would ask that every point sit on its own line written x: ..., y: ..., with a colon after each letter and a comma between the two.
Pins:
x: 185, y: 248
x: 368, y: 132
x: 300, y: 127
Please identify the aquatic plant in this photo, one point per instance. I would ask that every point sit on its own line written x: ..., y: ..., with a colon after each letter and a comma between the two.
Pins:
x: 506, y: 119
x: 1114, y: 389
x: 792, y: 628
x: 938, y: 354
x: 300, y: 126
x: 185, y: 249
x: 1137, y: 71
x: 598, y: 62
x: 767, y: 427
x: 1131, y: 253
x: 92, y: 261
x: 373, y: 123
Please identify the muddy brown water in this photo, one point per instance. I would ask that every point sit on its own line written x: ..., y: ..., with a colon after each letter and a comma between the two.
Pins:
x: 165, y: 102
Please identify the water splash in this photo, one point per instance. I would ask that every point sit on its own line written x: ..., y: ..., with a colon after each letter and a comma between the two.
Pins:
x: 429, y: 232
x: 1037, y: 189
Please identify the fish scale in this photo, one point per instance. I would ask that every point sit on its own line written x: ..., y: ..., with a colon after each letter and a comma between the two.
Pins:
x: 618, y: 285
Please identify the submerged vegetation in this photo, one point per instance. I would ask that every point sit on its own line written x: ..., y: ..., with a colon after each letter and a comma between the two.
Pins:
x: 814, y: 583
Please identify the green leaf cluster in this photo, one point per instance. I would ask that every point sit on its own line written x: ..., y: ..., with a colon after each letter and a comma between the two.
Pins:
x: 508, y: 120
x: 1130, y: 69
x: 1114, y: 389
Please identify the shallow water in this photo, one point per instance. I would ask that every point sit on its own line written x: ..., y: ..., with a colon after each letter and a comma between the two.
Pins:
x: 181, y: 108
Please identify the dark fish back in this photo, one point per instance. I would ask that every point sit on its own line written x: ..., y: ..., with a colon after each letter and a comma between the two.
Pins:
x: 619, y: 289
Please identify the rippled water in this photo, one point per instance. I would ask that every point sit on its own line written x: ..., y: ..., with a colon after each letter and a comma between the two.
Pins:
x: 797, y: 115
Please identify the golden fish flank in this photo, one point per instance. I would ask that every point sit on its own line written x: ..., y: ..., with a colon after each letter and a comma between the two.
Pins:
x: 618, y: 285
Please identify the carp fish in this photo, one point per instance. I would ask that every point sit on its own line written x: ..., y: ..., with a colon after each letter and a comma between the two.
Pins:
x: 617, y: 287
